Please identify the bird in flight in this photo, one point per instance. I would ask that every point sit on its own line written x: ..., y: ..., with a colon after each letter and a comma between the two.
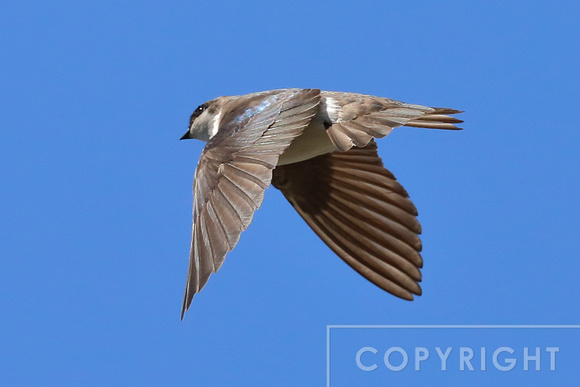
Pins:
x: 318, y: 148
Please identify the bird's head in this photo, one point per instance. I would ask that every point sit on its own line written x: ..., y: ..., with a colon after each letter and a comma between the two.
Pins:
x: 204, y: 121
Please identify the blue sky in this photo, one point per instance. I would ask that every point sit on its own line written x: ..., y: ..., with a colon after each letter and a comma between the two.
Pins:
x: 95, y: 188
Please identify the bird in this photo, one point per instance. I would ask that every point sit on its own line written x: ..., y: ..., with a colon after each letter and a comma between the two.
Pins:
x: 318, y: 148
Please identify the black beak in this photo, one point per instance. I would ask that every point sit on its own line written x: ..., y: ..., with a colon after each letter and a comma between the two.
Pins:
x: 186, y: 136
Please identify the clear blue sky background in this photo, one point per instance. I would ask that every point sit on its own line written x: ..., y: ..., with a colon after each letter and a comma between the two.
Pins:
x: 95, y: 188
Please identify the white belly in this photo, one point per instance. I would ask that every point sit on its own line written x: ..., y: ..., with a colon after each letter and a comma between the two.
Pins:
x: 313, y: 142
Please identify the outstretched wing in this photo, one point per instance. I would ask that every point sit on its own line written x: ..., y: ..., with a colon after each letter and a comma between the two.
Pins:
x: 354, y: 119
x: 361, y: 212
x: 234, y: 170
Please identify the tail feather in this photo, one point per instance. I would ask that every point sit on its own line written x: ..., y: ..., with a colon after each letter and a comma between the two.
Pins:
x: 437, y: 119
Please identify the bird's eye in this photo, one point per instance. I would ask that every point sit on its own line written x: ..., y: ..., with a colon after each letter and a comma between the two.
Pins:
x: 200, y: 109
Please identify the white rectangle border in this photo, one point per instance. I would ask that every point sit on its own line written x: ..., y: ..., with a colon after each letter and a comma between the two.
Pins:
x: 330, y: 327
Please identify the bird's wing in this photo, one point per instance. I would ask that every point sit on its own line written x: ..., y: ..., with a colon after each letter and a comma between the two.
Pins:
x: 234, y: 170
x: 361, y: 212
x: 354, y: 119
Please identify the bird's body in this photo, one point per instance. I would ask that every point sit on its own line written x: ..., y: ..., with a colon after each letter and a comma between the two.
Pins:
x: 317, y: 147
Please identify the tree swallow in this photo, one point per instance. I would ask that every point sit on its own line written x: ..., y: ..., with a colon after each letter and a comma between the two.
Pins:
x: 318, y: 148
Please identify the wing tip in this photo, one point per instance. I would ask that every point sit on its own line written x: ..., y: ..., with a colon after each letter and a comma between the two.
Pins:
x: 410, y: 294
x: 186, y: 304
